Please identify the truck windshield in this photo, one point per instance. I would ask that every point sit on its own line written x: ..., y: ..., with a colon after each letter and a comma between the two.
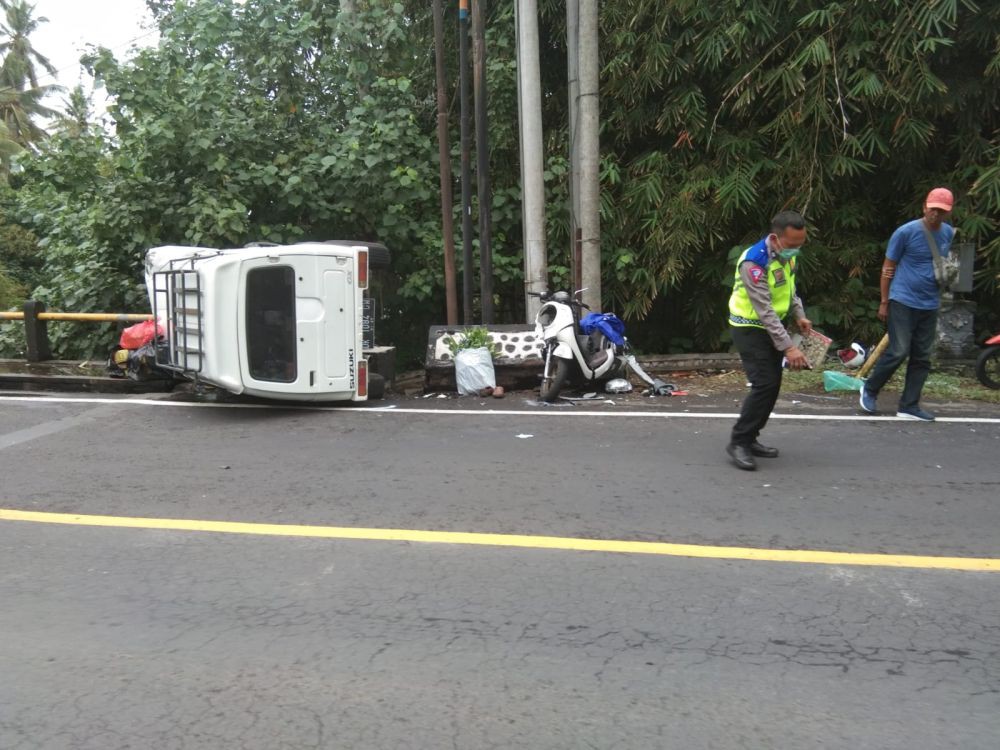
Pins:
x: 271, y: 346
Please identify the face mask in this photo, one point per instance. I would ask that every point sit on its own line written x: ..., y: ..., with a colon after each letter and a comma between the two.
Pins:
x: 785, y: 253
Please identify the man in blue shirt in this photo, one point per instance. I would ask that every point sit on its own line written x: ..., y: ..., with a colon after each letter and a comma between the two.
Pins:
x: 910, y: 301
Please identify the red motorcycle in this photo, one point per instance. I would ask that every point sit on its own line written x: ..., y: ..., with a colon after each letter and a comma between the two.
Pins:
x: 988, y: 364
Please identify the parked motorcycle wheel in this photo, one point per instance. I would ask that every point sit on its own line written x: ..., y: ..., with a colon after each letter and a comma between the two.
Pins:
x: 988, y: 367
x: 552, y: 386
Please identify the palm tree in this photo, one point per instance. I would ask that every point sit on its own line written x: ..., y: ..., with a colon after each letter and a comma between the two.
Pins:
x: 20, y: 93
x: 17, y: 110
x: 8, y: 149
x: 19, y: 57
x: 75, y: 120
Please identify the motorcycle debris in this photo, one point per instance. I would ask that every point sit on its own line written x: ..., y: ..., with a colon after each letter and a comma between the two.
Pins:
x: 652, y: 394
x: 663, y: 389
x: 584, y: 397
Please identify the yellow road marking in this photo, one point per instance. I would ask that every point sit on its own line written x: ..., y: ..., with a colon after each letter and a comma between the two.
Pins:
x: 820, y: 557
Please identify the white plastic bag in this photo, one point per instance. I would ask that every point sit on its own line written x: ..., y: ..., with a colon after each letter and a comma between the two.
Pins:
x: 474, y: 371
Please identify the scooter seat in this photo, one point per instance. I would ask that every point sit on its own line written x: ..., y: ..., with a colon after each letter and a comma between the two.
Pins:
x: 596, y: 342
x: 598, y: 359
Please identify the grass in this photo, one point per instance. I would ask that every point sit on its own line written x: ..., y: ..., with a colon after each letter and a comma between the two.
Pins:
x: 941, y: 386
x: 945, y: 386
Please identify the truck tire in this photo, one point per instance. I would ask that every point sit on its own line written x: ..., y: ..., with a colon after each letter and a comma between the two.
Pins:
x: 376, y: 387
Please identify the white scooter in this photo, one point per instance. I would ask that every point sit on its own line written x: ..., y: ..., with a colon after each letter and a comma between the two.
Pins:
x: 568, y: 352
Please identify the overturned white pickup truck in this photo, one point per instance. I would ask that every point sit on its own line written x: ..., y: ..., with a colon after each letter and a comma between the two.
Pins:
x: 282, y: 322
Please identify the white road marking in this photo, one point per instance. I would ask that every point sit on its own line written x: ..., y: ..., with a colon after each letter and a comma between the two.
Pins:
x: 45, y: 429
x: 486, y: 412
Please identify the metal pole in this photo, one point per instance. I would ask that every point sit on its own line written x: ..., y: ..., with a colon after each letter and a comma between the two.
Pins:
x: 573, y: 69
x: 78, y: 317
x: 529, y: 100
x: 444, y: 155
x: 482, y: 159
x: 590, y: 153
x: 463, y: 85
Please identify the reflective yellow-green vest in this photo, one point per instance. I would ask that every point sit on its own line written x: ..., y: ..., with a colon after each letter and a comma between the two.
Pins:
x: 780, y: 280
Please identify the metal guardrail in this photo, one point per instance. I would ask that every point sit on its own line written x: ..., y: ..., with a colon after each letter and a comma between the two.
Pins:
x: 83, y: 317
x: 36, y: 317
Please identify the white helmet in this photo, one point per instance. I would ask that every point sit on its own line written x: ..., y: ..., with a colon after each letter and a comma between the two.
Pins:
x: 853, y: 356
x: 618, y: 385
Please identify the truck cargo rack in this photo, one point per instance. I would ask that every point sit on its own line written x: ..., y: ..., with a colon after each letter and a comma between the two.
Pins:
x: 183, y: 348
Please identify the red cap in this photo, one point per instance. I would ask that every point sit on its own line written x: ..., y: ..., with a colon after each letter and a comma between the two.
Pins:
x: 940, y: 198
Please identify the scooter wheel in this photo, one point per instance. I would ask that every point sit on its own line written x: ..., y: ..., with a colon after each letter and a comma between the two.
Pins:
x: 552, y: 386
x: 988, y: 367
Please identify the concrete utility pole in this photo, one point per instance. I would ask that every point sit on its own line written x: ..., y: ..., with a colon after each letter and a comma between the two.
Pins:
x: 444, y: 154
x: 529, y: 101
x: 463, y: 85
x: 590, y: 153
x: 482, y: 159
x: 573, y: 68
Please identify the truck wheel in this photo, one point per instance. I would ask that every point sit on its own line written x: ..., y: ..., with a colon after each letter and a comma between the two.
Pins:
x: 378, y: 256
x: 376, y: 386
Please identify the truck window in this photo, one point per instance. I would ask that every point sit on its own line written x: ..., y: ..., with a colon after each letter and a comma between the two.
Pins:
x: 271, y: 345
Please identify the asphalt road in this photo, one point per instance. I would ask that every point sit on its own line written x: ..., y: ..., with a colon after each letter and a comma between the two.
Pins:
x: 136, y: 638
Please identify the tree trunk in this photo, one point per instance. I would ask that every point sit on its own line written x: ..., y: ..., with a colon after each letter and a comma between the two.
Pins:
x: 482, y: 160
x: 444, y: 155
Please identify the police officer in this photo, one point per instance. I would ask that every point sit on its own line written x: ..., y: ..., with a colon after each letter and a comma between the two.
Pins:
x: 762, y: 301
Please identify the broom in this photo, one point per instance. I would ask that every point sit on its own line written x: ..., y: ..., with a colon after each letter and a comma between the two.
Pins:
x: 839, y: 381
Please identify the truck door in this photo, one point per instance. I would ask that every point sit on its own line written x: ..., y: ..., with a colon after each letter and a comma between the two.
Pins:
x: 340, y: 339
x: 299, y: 324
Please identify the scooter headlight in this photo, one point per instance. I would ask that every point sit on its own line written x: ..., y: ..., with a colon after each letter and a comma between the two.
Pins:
x: 546, y: 316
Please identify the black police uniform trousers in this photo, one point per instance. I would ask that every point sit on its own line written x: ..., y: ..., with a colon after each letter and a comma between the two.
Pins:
x: 762, y: 362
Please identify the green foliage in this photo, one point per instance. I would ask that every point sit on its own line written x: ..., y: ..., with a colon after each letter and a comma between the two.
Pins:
x: 248, y: 122
x: 287, y: 120
x: 11, y: 292
x: 473, y: 338
x: 20, y: 254
x: 720, y: 114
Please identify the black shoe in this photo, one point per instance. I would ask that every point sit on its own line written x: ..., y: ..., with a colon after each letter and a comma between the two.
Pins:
x: 741, y: 456
x: 763, y: 451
